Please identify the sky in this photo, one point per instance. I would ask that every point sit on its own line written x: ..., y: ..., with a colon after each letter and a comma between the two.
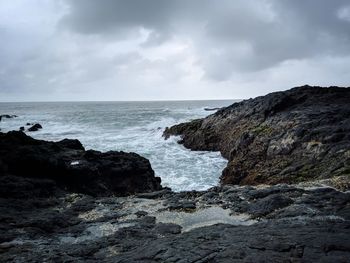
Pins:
x: 76, y: 50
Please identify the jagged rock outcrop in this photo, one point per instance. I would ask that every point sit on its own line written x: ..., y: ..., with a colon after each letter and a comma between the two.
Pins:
x: 31, y: 167
x: 283, y: 137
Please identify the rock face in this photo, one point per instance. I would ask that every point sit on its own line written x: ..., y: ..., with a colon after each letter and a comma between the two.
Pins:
x: 283, y: 137
x: 32, y: 167
x: 279, y: 223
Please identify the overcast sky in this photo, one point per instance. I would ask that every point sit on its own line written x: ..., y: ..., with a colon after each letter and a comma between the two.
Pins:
x: 169, y: 49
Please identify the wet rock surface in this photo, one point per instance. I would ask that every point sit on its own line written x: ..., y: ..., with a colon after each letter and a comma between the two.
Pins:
x: 278, y: 223
x: 283, y: 137
x: 26, y: 164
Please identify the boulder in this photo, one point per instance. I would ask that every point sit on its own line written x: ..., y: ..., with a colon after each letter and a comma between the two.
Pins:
x: 35, y: 127
x: 74, y: 169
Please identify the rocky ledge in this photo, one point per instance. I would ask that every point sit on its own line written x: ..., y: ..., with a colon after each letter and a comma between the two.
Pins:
x: 284, y: 137
x: 281, y: 223
x: 31, y: 168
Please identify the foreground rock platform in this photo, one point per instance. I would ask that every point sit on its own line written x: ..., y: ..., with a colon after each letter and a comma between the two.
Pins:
x: 283, y: 137
x: 281, y: 223
x: 31, y: 168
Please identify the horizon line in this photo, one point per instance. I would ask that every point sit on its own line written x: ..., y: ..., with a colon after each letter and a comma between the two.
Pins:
x: 168, y: 100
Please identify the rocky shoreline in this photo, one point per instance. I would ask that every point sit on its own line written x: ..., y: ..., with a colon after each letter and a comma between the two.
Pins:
x: 281, y: 223
x: 61, y: 203
x: 284, y: 137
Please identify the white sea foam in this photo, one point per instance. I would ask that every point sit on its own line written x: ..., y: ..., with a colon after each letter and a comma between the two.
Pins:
x: 131, y: 127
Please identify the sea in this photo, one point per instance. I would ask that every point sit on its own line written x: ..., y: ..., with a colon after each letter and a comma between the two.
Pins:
x: 129, y: 127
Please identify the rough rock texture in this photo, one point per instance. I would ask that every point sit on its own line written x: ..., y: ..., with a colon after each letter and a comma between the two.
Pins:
x: 278, y: 223
x: 283, y: 137
x: 26, y: 164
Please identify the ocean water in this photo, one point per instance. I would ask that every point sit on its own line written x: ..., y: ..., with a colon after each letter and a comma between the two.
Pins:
x: 130, y: 127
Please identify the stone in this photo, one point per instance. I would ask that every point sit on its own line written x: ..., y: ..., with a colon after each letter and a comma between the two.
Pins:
x: 268, y: 204
x: 313, y: 227
x: 74, y: 169
x: 284, y: 137
x: 35, y: 127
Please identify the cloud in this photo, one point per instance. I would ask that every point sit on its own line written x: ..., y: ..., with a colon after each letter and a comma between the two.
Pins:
x: 162, y: 49
x: 237, y: 35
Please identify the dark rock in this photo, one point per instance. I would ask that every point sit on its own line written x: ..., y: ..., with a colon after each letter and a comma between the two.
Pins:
x: 182, y: 205
x: 35, y: 127
x: 141, y: 213
x: 71, y: 144
x: 164, y: 229
x: 148, y: 221
x: 211, y: 109
x: 270, y: 242
x: 283, y: 137
x: 268, y: 204
x: 21, y: 128
x: 7, y: 116
x: 314, y: 227
x: 20, y: 187
x: 155, y: 194
x: 74, y: 169
x: 275, y: 189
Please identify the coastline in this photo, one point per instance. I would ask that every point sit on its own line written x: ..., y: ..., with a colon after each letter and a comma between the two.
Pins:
x: 88, y: 218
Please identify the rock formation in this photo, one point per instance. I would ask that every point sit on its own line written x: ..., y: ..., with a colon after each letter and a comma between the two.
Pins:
x: 35, y: 127
x: 66, y: 165
x: 61, y: 203
x: 283, y: 137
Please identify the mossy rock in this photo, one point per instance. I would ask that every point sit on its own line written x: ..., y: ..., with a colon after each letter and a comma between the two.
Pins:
x: 262, y: 129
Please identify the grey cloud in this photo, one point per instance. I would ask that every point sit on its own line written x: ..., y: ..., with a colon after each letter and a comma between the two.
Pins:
x: 297, y: 30
x: 170, y: 47
x: 114, y: 16
x: 273, y: 31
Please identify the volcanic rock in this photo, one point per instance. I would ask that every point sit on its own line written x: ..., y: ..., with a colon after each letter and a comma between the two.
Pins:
x: 35, y: 127
x: 72, y: 168
x: 284, y: 137
x: 305, y: 225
